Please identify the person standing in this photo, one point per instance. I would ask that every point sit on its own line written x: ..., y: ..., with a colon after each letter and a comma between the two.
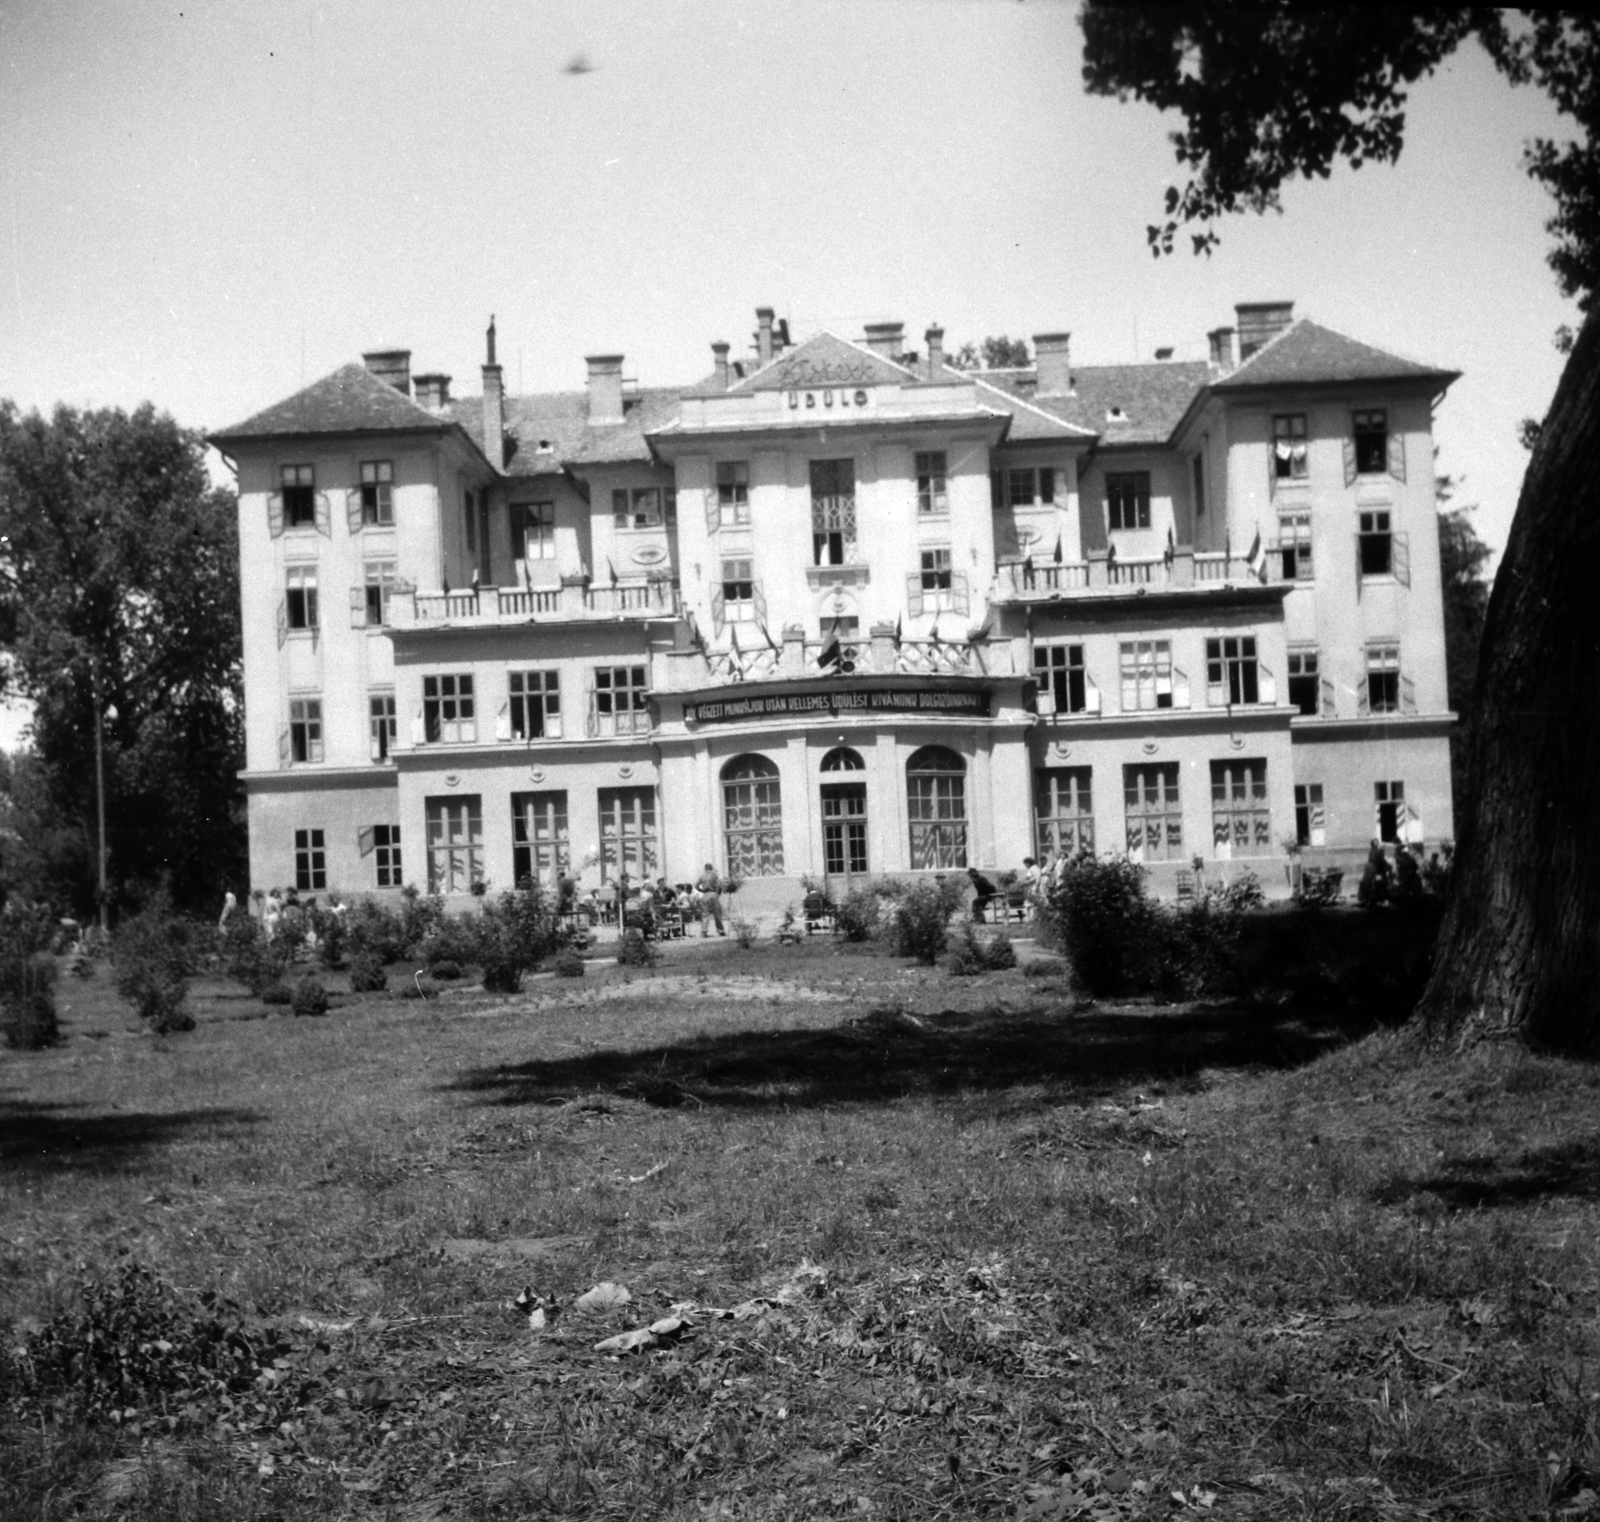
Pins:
x: 709, y: 886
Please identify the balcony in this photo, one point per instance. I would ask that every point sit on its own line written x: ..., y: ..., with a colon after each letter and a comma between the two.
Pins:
x: 796, y: 659
x: 492, y: 606
x: 1103, y: 575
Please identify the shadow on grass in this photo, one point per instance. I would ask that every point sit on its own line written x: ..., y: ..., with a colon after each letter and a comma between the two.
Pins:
x: 886, y: 1055
x: 60, y: 1138
x: 1569, y: 1169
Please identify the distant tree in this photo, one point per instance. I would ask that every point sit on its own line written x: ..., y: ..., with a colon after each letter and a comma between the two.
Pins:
x: 119, y: 585
x: 1462, y: 558
x: 1271, y: 92
x: 995, y: 353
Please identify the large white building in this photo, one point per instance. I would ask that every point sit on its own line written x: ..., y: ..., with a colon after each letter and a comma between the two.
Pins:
x: 843, y: 610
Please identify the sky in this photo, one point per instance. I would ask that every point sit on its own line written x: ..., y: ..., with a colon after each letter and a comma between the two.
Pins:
x: 211, y: 205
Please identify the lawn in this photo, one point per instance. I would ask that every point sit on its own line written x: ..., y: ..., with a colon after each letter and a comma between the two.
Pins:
x: 913, y: 1246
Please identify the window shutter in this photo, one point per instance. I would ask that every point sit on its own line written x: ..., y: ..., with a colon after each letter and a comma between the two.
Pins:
x: 385, y: 503
x: 1180, y: 688
x: 552, y: 726
x: 365, y: 836
x: 1330, y: 698
x: 719, y: 612
x: 283, y: 621
x: 1091, y: 696
x: 1359, y: 577
x: 1413, y: 831
x: 283, y: 745
x: 373, y: 750
x: 352, y: 509
x: 324, y: 515
x: 1272, y: 469
x: 1045, y: 702
x: 417, y: 727
x: 1047, y: 485
x: 1364, y: 699
x: 1349, y: 445
x: 960, y: 602
x: 1400, y: 558
x: 713, y: 511
x: 275, y: 513
x: 1408, y: 694
x: 358, y: 607
x: 591, y: 713
x: 997, y: 498
x: 759, y: 598
x: 1266, y: 686
x: 1397, y: 456
x: 502, y: 720
x: 914, y: 593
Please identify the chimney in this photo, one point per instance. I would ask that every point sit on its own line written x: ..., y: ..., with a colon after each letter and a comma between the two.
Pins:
x: 935, y: 341
x: 392, y: 366
x: 719, y: 354
x: 605, y: 387
x: 1163, y: 355
x: 1259, y: 322
x: 433, y: 392
x: 494, y: 407
x: 1052, y: 364
x: 764, y: 334
x: 886, y: 338
x: 1221, y: 341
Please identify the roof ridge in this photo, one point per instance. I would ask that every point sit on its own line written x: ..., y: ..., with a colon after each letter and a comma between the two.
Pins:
x: 1034, y: 407
x: 1281, y: 334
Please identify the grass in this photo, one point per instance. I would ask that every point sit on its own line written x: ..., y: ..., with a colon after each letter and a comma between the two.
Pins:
x: 989, y: 1253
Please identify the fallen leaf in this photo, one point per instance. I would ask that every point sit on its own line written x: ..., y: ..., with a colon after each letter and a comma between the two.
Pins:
x: 627, y: 1342
x: 602, y: 1297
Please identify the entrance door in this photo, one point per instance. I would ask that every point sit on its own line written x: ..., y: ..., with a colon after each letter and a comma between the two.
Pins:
x: 844, y: 835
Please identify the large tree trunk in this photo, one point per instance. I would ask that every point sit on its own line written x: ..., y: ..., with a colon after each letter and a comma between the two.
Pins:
x: 1519, y: 952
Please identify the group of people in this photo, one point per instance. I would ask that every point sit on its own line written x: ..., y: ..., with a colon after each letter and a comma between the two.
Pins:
x: 1410, y: 878
x: 297, y: 916
x: 1034, y: 885
x: 645, y: 904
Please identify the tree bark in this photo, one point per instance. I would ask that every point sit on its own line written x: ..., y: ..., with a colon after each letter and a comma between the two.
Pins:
x: 1519, y: 951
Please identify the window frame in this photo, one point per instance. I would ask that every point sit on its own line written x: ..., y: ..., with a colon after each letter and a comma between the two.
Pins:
x: 377, y: 588
x: 1389, y: 794
x: 297, y: 487
x: 1067, y: 678
x: 1294, y: 546
x: 1120, y: 484
x: 1068, y: 830
x: 1375, y: 542
x: 936, y: 568
x: 376, y: 478
x: 1366, y: 425
x: 1161, y: 811
x: 1291, y: 465
x: 1233, y: 671
x: 635, y: 508
x: 541, y: 837
x: 733, y: 493
x: 1241, y: 813
x: 446, y: 816
x: 533, y: 697
x: 310, y: 860
x: 1146, y: 663
x: 535, y: 530
x: 634, y: 851
x: 305, y: 731
x: 627, y: 702
x: 449, y: 712
x: 1312, y: 674
x: 302, y: 613
x: 1383, y: 677
x: 936, y: 810
x: 386, y: 855
x: 752, y: 816
x: 1310, y: 818
x: 834, y: 539
x: 931, y: 467
x: 382, y: 725
x: 738, y: 590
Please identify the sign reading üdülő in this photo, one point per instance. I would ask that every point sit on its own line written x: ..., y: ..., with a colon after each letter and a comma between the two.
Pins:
x: 735, y: 710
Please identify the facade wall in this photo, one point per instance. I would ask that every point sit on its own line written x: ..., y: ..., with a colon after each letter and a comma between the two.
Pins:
x: 343, y: 809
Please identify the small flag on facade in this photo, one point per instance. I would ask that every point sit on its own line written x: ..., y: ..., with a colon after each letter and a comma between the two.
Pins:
x: 772, y: 644
x: 897, y: 631
x: 1172, y: 548
x: 612, y: 568
x: 1258, y: 557
x: 831, y: 652
x: 1058, y: 548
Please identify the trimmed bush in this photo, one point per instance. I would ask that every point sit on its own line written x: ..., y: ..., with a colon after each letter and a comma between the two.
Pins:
x: 367, y: 975
x: 455, y: 939
x: 310, y: 997
x: 856, y: 918
x: 970, y: 955
x: 151, y: 961
x: 446, y: 971
x: 635, y: 951
x: 1097, y: 913
x: 515, y: 932
x: 279, y: 993
x: 375, y: 931
x: 420, y: 987
x: 744, y: 932
x: 419, y: 918
x: 568, y: 963
x: 27, y: 1001
x: 501, y: 975
x: 920, y: 918
x: 332, y: 936
x: 248, y: 957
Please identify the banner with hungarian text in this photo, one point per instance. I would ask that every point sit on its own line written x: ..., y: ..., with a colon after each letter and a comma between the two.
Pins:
x: 967, y: 704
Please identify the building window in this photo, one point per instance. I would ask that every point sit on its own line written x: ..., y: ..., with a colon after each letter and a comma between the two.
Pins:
x: 833, y: 512
x: 380, y: 725
x: 1058, y: 669
x: 1289, y: 447
x: 1376, y: 545
x: 1146, y: 667
x: 310, y: 861
x: 936, y: 570
x: 1026, y: 486
x: 627, y: 833
x: 936, y: 803
x: 1305, y: 683
x: 1231, y: 672
x: 752, y: 817
x: 1383, y: 679
x: 533, y: 531
x: 733, y: 493
x: 377, y: 591
x: 1310, y: 823
x: 298, y: 485
x: 448, y: 713
x: 931, y: 494
x: 305, y: 729
x: 1294, y: 546
x: 640, y: 508
x: 1154, y: 814
x: 1063, y: 812
x: 621, y: 701
x: 535, y: 705
x: 386, y: 848
x: 1372, y: 442
x: 301, y: 597
x: 455, y: 844
x: 539, y: 846
x: 377, y: 492
x: 1389, y: 805
x: 1240, y: 822
x: 738, y: 593
x: 1128, y: 499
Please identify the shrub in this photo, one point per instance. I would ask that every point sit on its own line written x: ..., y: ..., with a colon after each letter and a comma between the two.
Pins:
x: 970, y: 955
x: 1097, y: 913
x: 152, y: 965
x: 445, y: 970
x: 920, y: 917
x: 501, y: 975
x: 310, y: 997
x: 373, y: 930
x: 27, y: 1000
x: 248, y: 957
x: 279, y: 993
x: 744, y: 932
x: 332, y: 935
x: 1000, y: 955
x: 367, y: 975
x: 636, y: 951
x: 455, y: 939
x: 420, y: 987
x: 515, y: 933
x: 419, y: 917
x: 568, y: 963
x: 856, y: 918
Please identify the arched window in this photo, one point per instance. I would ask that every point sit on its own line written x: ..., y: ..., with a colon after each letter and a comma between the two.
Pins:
x: 752, y: 817
x: 936, y: 804
x: 842, y: 759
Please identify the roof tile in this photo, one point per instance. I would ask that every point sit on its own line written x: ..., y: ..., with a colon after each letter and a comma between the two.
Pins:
x: 1306, y: 353
x: 351, y: 400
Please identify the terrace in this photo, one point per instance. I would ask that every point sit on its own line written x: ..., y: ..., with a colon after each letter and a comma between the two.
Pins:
x: 797, y: 658
x: 1104, y: 574
x: 569, y: 603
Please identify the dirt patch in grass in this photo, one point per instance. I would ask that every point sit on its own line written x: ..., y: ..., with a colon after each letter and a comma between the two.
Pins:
x: 910, y: 1246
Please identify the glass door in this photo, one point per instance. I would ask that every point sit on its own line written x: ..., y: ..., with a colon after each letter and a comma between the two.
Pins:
x: 844, y: 836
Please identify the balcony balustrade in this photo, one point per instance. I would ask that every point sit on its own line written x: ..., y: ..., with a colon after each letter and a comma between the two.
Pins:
x: 797, y: 660
x: 489, y: 606
x: 1104, y: 575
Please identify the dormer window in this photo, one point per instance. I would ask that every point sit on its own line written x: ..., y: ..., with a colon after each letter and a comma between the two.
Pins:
x: 640, y: 508
x: 1128, y: 499
x: 1116, y: 415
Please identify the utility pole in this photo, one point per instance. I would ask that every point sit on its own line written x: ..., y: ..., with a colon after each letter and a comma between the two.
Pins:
x: 100, y: 795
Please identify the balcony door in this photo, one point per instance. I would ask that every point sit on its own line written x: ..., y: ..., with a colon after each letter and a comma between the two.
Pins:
x: 844, y: 822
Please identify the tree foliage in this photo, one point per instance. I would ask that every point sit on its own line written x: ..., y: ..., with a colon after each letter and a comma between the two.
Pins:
x: 119, y: 582
x: 997, y: 352
x: 1462, y: 558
